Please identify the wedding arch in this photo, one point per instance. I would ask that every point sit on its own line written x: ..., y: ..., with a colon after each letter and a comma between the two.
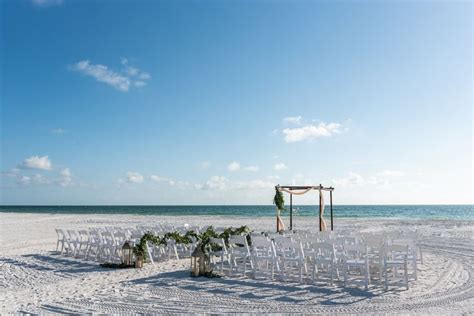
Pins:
x: 300, y: 190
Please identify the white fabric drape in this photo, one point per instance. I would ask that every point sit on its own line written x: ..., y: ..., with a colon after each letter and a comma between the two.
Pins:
x: 295, y: 192
x: 323, y: 222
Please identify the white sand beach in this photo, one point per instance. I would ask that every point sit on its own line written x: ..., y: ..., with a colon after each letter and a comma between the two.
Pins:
x: 33, y: 279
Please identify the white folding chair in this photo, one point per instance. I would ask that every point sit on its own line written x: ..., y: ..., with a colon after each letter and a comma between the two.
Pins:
x: 83, y: 242
x: 264, y: 257
x: 356, y: 265
x: 239, y: 253
x: 221, y: 252
x: 108, y: 246
x: 290, y: 258
x: 396, y: 258
x: 324, y: 263
x: 411, y: 254
x: 95, y: 245
x: 73, y: 241
x: 61, y: 240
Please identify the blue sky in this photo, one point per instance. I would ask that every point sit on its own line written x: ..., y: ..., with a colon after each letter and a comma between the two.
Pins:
x: 215, y: 102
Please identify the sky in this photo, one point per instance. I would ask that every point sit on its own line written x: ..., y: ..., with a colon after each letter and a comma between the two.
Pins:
x: 216, y: 102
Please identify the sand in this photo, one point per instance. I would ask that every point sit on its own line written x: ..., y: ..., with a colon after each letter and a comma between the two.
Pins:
x: 35, y: 280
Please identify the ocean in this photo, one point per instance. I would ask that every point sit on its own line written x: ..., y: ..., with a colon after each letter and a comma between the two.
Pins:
x: 453, y: 212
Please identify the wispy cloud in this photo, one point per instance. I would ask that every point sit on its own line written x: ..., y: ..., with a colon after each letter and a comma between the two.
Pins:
x: 158, y: 178
x: 280, y: 166
x: 216, y: 183
x: 309, y: 132
x: 293, y: 119
x: 134, y: 177
x: 25, y: 180
x: 46, y: 3
x: 233, y: 166
x: 66, y: 177
x: 36, y: 162
x: 121, y: 80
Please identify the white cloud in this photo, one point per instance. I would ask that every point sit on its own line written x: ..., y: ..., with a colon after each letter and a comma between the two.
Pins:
x: 135, y: 72
x: 157, y: 178
x: 103, y: 74
x: 58, y: 131
x: 25, y: 180
x: 134, y: 177
x: 293, y: 120
x: 34, y: 179
x: 37, y: 162
x: 66, y: 177
x: 280, y: 166
x: 46, y: 3
x: 216, y: 183
x: 132, y: 71
x: 311, y: 132
x: 233, y: 166
x: 252, y: 168
x: 122, y: 81
x: 66, y: 173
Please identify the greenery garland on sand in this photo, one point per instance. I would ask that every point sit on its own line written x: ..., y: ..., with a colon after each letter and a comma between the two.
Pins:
x: 278, y: 200
x: 140, y: 249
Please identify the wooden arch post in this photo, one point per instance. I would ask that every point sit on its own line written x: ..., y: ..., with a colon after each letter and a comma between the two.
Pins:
x: 291, y: 211
x: 320, y: 209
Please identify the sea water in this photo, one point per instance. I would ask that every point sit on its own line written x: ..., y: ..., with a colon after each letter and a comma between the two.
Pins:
x: 453, y: 212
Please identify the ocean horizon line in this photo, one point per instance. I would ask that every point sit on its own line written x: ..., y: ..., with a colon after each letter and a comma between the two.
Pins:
x: 339, y: 211
x: 236, y: 205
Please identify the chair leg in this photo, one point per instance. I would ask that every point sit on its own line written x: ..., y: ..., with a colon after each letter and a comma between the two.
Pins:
x: 406, y: 274
x: 345, y: 275
x: 332, y: 274
x: 421, y: 254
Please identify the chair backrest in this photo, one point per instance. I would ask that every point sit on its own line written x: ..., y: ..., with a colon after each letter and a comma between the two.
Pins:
x: 357, y: 251
x: 107, y: 238
x: 238, y: 243
x: 326, y: 250
x: 218, y: 241
x: 119, y: 238
x: 84, y: 235
x: 60, y: 233
x: 72, y: 234
x: 289, y: 248
x: 261, y: 246
x: 396, y: 251
x: 95, y: 236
